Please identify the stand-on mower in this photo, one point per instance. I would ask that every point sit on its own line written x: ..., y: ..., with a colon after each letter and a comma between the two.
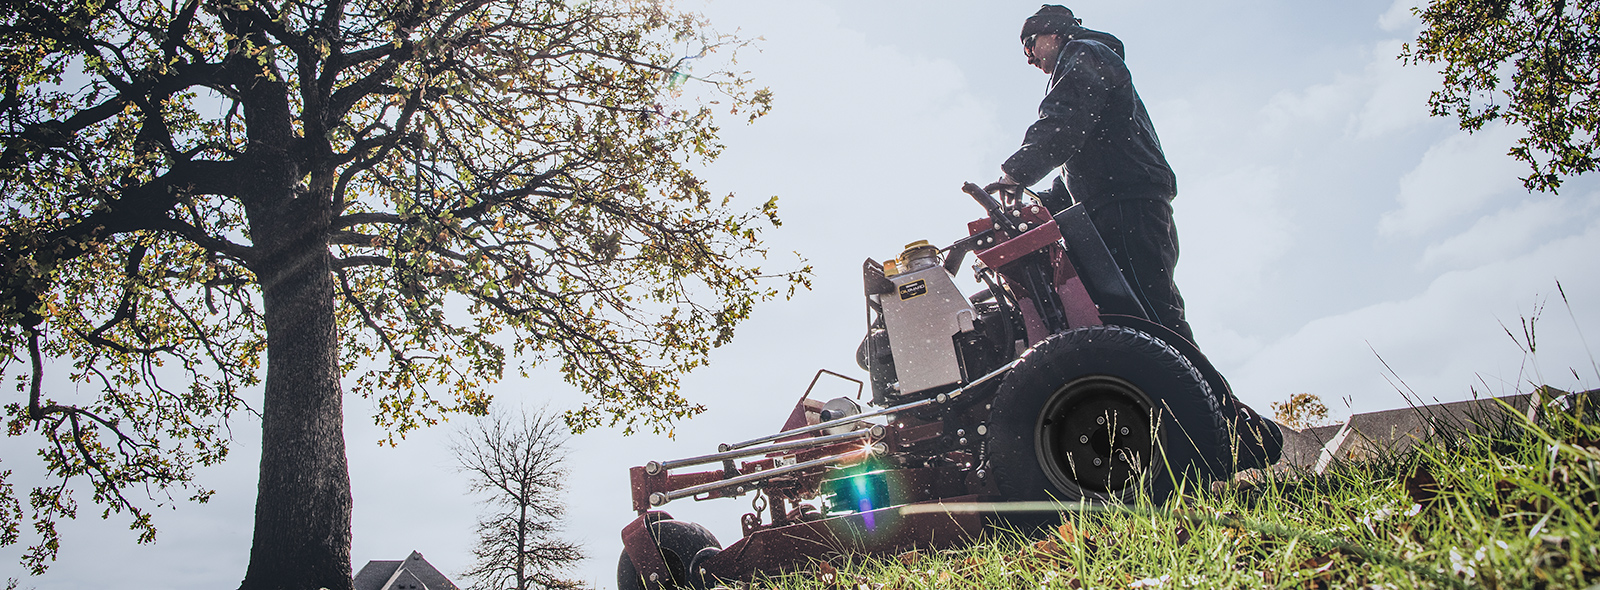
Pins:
x: 1053, y: 384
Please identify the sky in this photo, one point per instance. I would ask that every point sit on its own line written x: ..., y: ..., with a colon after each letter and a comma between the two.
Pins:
x: 1335, y: 238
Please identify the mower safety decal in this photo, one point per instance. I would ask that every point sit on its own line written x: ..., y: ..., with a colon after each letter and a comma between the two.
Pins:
x: 915, y: 288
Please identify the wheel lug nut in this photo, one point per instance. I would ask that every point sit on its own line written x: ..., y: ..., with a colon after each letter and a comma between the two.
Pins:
x: 1097, y: 461
x: 1099, y: 419
x: 1124, y: 431
x: 1083, y: 438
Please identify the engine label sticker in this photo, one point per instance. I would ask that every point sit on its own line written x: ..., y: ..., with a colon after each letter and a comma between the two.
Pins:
x: 913, y: 289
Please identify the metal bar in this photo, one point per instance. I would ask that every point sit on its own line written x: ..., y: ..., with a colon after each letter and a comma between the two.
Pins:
x: 655, y: 467
x: 814, y: 378
x: 941, y: 398
x: 1003, y: 507
x: 658, y: 498
x: 831, y: 423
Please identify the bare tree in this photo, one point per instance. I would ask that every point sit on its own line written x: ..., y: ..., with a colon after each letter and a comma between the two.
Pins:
x: 518, y: 460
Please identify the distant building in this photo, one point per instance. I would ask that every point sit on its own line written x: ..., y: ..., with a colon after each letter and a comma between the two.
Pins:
x: 411, y: 573
x: 1374, y: 434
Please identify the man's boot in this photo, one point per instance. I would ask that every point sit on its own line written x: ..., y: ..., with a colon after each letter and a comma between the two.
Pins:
x: 1259, y: 440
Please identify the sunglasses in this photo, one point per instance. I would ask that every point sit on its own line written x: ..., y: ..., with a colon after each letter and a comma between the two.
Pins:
x: 1027, y: 45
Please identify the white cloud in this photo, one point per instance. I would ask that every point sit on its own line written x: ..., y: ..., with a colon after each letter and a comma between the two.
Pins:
x: 1385, y: 97
x: 1319, y: 104
x: 1456, y: 177
x: 1226, y: 346
x: 1399, y: 17
x: 1505, y: 234
x: 1443, y: 341
x: 1211, y: 216
x: 1397, y: 93
x: 861, y: 136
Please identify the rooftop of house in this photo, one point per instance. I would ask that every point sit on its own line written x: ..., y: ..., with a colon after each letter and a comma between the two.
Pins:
x: 1371, y: 434
x: 411, y: 573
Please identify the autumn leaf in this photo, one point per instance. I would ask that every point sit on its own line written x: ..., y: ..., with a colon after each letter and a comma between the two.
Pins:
x: 1067, y: 533
x: 909, y: 558
x: 1421, y: 486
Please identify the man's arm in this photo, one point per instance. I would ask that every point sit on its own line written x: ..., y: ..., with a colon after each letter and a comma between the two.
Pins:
x: 1085, y: 74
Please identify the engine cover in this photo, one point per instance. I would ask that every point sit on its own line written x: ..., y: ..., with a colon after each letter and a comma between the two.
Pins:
x: 922, y: 313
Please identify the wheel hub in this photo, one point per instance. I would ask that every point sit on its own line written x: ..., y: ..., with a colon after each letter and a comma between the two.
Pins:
x: 1095, y: 433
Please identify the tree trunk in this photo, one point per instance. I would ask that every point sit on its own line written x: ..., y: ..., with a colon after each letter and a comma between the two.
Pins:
x: 303, y: 504
x: 522, y: 539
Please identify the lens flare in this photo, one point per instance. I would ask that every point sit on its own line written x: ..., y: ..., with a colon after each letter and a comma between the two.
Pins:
x: 859, y: 489
x: 864, y: 500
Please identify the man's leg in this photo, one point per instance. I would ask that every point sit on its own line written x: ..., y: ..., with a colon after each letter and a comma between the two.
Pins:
x: 1144, y: 242
x: 1142, y: 238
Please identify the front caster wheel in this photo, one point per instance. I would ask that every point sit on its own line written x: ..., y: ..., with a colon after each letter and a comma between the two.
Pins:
x: 679, y: 542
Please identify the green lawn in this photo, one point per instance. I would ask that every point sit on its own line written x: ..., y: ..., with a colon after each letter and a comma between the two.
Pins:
x: 1515, y: 509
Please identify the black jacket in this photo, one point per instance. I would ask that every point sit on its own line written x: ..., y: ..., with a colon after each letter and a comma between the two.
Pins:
x: 1093, y: 125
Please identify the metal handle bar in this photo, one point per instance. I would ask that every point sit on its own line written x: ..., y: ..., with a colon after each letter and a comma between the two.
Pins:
x: 654, y: 467
x: 938, y: 399
x: 658, y: 498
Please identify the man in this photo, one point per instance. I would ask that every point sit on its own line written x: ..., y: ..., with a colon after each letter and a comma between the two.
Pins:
x: 1094, y: 127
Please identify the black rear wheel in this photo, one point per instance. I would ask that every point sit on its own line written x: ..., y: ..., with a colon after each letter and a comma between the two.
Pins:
x: 678, y: 542
x: 1100, y: 414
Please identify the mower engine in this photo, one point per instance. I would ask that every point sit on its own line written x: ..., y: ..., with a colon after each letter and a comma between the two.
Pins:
x: 925, y: 312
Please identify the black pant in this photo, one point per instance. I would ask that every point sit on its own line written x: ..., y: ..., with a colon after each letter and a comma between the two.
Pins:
x: 1144, y: 242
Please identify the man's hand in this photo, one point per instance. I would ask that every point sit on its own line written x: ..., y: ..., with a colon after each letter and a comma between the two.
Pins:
x: 1005, y: 185
x: 1008, y: 190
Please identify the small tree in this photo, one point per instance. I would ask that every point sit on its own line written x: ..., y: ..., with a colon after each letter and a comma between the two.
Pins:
x: 518, y: 461
x: 1551, y: 51
x: 1300, y: 411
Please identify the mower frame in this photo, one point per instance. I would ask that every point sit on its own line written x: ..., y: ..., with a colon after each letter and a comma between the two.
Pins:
x: 930, y: 448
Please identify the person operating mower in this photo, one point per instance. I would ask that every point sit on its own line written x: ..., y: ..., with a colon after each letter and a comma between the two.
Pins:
x: 1093, y: 126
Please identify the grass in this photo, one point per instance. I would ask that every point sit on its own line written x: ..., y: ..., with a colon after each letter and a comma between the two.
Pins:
x: 1515, y: 508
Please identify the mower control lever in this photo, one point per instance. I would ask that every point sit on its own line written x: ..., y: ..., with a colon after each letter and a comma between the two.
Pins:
x: 996, y: 212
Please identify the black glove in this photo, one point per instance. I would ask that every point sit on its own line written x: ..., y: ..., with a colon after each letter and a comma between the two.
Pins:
x: 1005, y: 185
x: 1008, y: 189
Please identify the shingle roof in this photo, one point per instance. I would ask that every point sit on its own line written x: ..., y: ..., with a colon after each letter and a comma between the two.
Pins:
x: 1301, y: 447
x: 1372, y: 434
x: 411, y: 573
x: 1391, y: 431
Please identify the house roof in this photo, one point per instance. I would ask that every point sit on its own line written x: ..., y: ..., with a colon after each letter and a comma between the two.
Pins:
x: 1373, y: 434
x: 1397, y: 430
x: 411, y: 573
x: 1301, y: 447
